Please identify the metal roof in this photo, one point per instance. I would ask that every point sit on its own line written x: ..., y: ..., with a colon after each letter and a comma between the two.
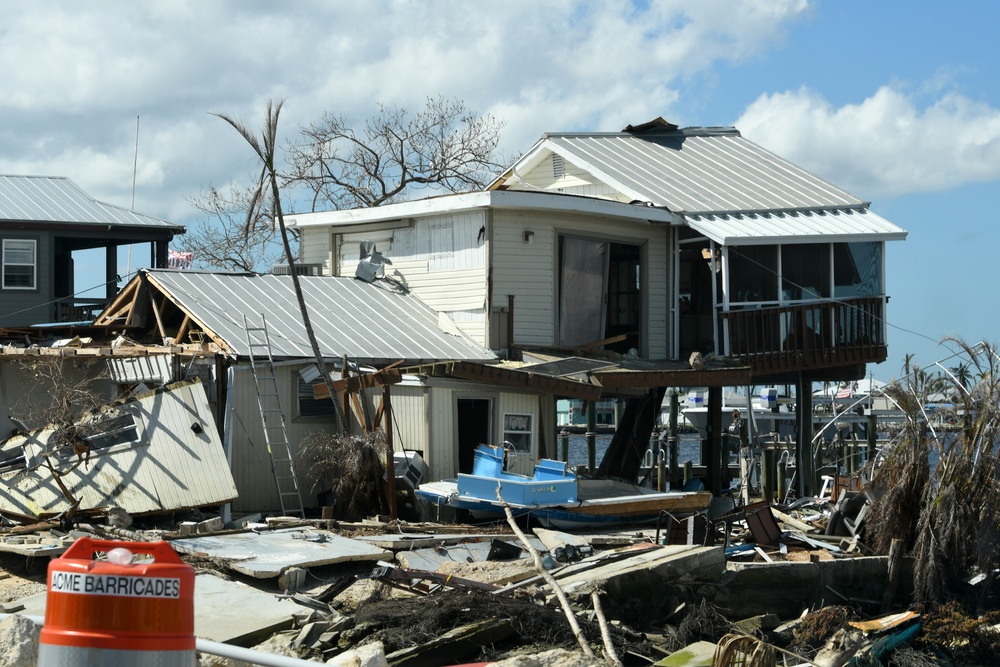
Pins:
x: 796, y: 227
x: 365, y: 321
x: 56, y: 199
x: 697, y: 170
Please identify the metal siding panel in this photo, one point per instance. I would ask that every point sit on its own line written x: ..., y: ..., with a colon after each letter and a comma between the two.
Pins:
x: 250, y: 464
x: 174, y: 469
x: 442, y: 459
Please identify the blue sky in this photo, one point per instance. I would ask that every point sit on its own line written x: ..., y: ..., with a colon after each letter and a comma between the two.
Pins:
x: 898, y: 102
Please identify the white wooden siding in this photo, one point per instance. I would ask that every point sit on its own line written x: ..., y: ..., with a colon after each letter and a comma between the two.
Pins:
x: 528, y: 271
x: 442, y: 260
x: 314, y: 247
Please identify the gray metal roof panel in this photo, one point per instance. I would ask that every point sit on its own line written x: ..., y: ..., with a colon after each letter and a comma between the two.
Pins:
x: 812, y: 226
x: 699, y: 170
x: 55, y: 199
x: 365, y: 321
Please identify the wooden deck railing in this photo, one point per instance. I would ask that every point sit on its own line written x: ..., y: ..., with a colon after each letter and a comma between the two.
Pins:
x: 819, y: 334
x: 74, y: 309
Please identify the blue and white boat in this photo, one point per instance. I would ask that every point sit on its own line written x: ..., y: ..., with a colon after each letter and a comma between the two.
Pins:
x: 554, y: 496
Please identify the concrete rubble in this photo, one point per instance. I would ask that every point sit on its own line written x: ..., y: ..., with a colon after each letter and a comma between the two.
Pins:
x: 759, y: 579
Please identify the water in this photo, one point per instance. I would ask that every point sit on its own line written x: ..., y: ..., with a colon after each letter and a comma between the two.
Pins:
x: 688, y: 448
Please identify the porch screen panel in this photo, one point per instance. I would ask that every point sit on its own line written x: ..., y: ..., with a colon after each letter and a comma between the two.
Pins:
x: 581, y: 290
x: 857, y: 269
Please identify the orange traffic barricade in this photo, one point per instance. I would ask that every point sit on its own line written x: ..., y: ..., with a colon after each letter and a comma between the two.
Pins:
x: 117, y: 611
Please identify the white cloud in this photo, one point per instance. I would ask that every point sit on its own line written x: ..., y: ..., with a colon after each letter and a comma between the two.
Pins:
x: 887, y: 145
x: 76, y: 75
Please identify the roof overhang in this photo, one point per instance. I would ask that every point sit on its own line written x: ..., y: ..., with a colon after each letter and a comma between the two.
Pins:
x: 491, y: 199
x: 801, y: 226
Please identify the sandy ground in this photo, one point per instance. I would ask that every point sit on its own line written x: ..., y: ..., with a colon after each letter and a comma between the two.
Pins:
x: 20, y: 578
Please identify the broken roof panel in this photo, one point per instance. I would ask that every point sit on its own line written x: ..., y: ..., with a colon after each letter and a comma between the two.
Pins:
x: 56, y: 199
x: 365, y: 321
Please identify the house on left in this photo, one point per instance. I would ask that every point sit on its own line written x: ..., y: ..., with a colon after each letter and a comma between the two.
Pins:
x: 45, y: 222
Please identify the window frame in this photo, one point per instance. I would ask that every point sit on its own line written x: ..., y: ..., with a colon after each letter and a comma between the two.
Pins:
x: 507, y: 432
x: 5, y: 264
x: 300, y: 394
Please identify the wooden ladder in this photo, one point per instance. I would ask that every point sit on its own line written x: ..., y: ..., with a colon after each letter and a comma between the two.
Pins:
x: 273, y: 418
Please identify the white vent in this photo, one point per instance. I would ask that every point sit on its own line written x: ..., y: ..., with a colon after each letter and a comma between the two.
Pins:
x: 558, y: 167
x: 300, y: 269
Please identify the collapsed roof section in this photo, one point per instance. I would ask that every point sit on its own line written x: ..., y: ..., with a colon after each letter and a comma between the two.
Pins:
x: 367, y: 322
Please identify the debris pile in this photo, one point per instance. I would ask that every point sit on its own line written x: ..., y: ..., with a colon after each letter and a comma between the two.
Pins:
x: 760, y: 583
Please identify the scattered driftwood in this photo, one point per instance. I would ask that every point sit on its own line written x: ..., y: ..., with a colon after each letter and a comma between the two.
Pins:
x: 549, y: 579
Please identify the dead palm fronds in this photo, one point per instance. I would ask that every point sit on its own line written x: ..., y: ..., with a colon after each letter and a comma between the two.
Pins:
x: 350, y: 468
x: 938, y: 487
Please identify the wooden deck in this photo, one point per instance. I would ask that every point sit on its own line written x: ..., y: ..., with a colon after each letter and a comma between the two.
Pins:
x: 804, y: 337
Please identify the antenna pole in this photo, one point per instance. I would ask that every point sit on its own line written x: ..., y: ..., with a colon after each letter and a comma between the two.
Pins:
x: 135, y: 160
x: 135, y: 165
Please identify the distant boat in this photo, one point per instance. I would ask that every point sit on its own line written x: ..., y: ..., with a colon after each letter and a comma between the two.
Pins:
x: 554, y: 496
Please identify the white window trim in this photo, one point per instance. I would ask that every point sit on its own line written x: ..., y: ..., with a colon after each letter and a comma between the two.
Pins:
x: 33, y: 265
x: 531, y: 430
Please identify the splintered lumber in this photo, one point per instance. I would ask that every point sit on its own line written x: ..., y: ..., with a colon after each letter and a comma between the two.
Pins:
x: 452, y: 645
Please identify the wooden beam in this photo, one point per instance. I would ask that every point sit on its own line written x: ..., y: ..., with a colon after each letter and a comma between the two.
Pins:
x: 738, y: 376
x: 159, y: 319
x: 182, y: 329
x: 380, y: 378
x: 120, y: 305
x: 519, y: 379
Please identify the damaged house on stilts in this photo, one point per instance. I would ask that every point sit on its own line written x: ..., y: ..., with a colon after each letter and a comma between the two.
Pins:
x: 635, y: 261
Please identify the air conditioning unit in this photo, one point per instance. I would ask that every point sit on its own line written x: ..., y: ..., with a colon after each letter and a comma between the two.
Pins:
x: 300, y: 269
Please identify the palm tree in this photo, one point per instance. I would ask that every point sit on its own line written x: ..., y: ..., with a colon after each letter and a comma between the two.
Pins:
x: 267, y: 188
x: 948, y: 513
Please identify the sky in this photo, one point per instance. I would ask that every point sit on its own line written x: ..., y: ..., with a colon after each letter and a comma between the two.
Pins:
x: 896, y: 102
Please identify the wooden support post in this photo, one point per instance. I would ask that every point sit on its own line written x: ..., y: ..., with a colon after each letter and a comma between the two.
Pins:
x: 390, y: 459
x: 591, y: 436
x: 688, y: 471
x: 768, y: 471
x: 805, y: 468
x: 564, y: 442
x: 672, y: 440
x: 781, y: 481
x: 713, y: 463
x: 745, y: 461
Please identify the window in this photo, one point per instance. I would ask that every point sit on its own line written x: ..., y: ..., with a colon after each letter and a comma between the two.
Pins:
x: 805, y: 271
x: 857, y: 269
x: 310, y: 407
x: 753, y: 273
x: 18, y: 264
x: 517, y: 430
x: 107, y: 433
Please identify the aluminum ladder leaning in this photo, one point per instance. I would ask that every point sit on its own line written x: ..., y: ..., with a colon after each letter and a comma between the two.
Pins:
x: 273, y: 418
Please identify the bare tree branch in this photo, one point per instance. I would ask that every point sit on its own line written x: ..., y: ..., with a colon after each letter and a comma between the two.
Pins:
x: 445, y: 146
